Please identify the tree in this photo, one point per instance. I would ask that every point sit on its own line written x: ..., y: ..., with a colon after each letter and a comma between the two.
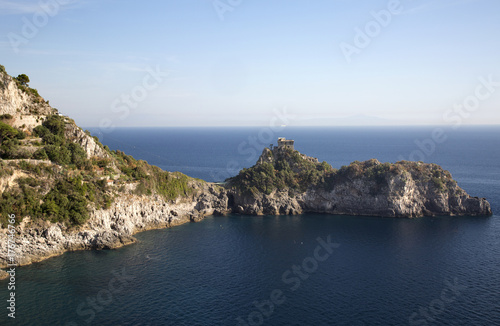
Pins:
x: 55, y: 124
x: 7, y: 132
x: 23, y: 79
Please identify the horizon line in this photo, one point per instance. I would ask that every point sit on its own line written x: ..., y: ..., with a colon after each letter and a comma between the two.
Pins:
x: 304, y: 126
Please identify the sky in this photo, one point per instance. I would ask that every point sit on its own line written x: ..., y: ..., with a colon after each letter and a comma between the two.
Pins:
x: 117, y: 63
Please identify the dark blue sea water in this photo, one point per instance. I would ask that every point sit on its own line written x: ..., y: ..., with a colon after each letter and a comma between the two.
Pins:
x: 243, y: 270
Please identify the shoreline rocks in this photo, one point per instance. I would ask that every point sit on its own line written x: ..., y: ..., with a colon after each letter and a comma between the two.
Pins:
x: 111, y: 228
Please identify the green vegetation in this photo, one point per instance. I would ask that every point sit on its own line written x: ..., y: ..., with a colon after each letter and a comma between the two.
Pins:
x: 23, y: 79
x: 57, y: 148
x: 66, y: 193
x: 5, y: 170
x: 258, y: 179
x: 22, y: 83
x: 66, y: 201
x: 371, y: 169
x: 10, y: 142
x: 24, y: 202
x: 6, y: 116
x: 151, y: 178
x: 8, y: 132
x: 290, y: 171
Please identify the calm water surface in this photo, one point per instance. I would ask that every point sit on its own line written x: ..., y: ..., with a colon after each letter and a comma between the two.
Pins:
x: 427, y: 271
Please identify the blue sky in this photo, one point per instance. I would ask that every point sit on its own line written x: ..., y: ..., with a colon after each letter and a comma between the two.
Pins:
x: 239, y: 62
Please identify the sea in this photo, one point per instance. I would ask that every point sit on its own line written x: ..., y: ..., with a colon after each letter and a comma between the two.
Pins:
x: 311, y: 269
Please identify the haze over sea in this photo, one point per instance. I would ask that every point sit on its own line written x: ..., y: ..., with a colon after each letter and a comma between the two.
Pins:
x: 385, y: 271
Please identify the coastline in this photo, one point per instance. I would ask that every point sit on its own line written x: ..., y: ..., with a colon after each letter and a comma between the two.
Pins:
x: 408, y: 195
x: 110, y: 228
x: 124, y: 241
x: 4, y: 275
x: 143, y: 197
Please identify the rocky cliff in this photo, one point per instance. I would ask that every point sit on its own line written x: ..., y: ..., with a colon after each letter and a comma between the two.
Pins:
x: 287, y: 182
x: 25, y: 106
x: 113, y: 227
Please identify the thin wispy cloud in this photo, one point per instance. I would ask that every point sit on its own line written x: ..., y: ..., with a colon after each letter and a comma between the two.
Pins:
x: 54, y: 53
x: 429, y: 6
x: 18, y: 7
x: 8, y: 8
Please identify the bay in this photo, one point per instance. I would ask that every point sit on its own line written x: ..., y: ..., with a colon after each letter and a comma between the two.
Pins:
x: 426, y: 271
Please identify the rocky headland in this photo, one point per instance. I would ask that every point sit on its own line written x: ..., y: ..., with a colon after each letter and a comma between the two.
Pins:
x: 286, y: 182
x: 69, y: 192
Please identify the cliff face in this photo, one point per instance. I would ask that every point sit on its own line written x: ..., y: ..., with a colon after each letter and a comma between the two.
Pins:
x: 26, y: 107
x: 402, y: 189
x: 75, y: 134
x: 112, y: 227
x: 402, y: 196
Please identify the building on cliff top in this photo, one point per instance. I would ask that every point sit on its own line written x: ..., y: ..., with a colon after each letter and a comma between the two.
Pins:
x: 285, y: 143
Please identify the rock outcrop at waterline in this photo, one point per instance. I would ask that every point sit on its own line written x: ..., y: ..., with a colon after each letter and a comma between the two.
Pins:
x: 286, y: 182
x: 113, y: 227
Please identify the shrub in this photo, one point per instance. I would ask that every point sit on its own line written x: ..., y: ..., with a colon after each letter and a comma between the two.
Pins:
x: 21, y: 202
x: 171, y: 185
x: 32, y: 182
x: 9, y: 142
x: 78, y: 155
x: 379, y: 172
x: 58, y: 149
x: 55, y: 124
x: 7, y: 131
x: 5, y: 170
x: 141, y: 188
x: 101, y: 162
x: 9, y: 149
x: 40, y: 154
x: 6, y: 116
x: 58, y: 154
x: 66, y: 202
